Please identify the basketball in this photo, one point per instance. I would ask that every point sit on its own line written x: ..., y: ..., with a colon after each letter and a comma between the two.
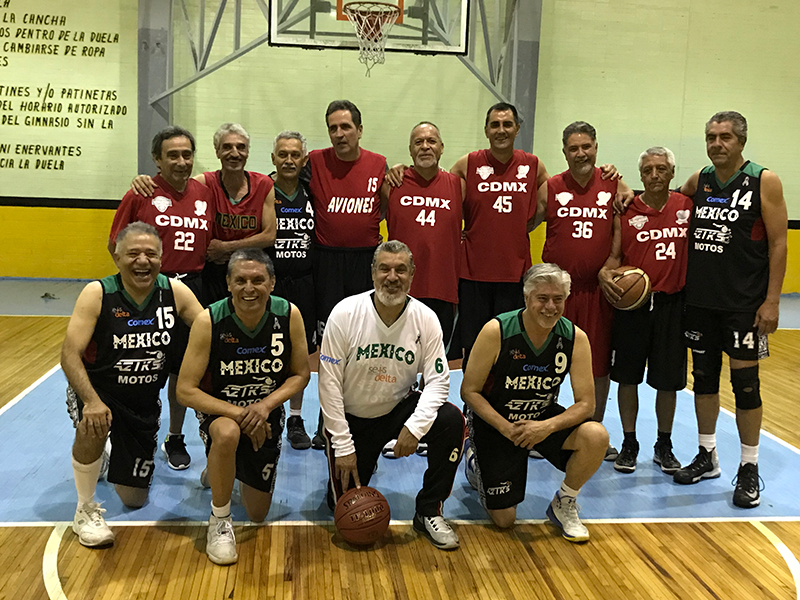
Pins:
x: 362, y: 516
x: 636, y: 288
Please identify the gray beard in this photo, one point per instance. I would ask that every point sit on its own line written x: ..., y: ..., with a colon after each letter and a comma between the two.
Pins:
x: 388, y: 299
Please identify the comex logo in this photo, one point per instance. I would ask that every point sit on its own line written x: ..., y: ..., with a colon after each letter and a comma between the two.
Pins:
x: 140, y: 322
x: 329, y: 359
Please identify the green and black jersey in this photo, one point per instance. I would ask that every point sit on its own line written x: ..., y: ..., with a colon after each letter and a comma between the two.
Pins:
x: 525, y: 380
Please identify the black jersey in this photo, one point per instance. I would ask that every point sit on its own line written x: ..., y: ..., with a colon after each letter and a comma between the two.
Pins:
x: 245, y: 366
x: 525, y: 380
x: 126, y: 358
x: 295, y: 220
x: 728, y: 250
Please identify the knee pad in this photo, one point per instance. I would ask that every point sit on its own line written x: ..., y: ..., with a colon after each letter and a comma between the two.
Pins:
x: 746, y: 388
x: 705, y: 370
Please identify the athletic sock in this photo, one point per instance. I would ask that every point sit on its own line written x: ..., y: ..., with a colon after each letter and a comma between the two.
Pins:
x: 665, y: 437
x: 750, y: 454
x: 294, y: 412
x: 630, y: 436
x: 708, y: 440
x: 221, y: 512
x: 565, y: 490
x: 86, y: 479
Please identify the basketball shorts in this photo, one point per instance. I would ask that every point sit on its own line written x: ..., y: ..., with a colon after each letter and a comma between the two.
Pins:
x: 133, y: 439
x: 447, y: 313
x: 502, y: 467
x: 180, y: 336
x: 339, y: 273
x: 650, y: 336
x: 214, y: 283
x: 714, y: 330
x: 299, y: 290
x: 445, y: 441
x: 588, y: 308
x: 256, y: 468
x: 480, y: 301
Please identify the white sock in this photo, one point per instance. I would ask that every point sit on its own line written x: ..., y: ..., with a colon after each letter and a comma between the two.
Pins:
x: 294, y: 412
x: 221, y: 512
x: 565, y: 490
x: 86, y: 479
x: 750, y: 454
x: 708, y: 440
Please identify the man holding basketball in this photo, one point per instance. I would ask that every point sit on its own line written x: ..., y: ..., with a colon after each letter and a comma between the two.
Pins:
x: 737, y: 261
x: 375, y: 345
x: 511, y: 385
x: 651, y: 235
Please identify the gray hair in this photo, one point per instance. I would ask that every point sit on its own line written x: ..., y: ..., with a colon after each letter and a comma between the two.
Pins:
x: 227, y: 128
x: 578, y: 127
x: 546, y: 273
x: 658, y: 151
x: 736, y: 119
x: 421, y: 123
x: 140, y: 228
x: 290, y: 135
x: 254, y: 254
x: 392, y: 247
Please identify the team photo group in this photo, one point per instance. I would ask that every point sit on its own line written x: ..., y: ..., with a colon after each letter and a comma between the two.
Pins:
x: 232, y: 285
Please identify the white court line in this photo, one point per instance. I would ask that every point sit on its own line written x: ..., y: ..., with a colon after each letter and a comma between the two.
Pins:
x: 30, y: 388
x: 52, y: 583
x: 791, y: 560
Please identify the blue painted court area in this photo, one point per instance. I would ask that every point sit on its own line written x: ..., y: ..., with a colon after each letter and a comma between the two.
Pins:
x: 37, y: 486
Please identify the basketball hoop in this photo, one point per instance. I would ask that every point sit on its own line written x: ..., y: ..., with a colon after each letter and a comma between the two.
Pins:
x: 372, y: 22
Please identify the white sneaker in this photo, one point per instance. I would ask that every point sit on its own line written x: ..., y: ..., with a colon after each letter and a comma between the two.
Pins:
x: 535, y: 454
x: 90, y: 527
x: 422, y: 449
x: 563, y: 512
x: 437, y: 530
x: 106, y: 459
x: 469, y: 467
x: 220, y: 541
x: 388, y: 449
x: 204, y: 479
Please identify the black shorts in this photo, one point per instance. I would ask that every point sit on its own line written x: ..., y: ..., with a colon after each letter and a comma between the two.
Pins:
x: 479, y: 301
x: 339, y: 273
x: 502, y: 467
x: 300, y: 292
x: 256, y: 469
x: 180, y: 334
x: 214, y: 283
x: 650, y: 336
x: 445, y: 441
x: 447, y: 313
x: 133, y: 439
x: 716, y: 331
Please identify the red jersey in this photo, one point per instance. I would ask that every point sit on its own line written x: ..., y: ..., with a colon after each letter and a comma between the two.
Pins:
x: 656, y: 241
x: 426, y: 216
x: 580, y: 223
x: 500, y: 200
x: 346, y: 198
x: 183, y: 220
x: 243, y: 219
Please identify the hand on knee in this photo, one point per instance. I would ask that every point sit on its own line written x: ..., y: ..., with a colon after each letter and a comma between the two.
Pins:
x: 504, y: 518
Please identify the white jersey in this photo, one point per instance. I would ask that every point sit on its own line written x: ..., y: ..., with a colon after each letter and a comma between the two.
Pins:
x: 367, y: 368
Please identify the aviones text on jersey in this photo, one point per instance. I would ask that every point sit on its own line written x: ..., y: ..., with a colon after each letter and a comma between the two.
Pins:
x: 351, y: 205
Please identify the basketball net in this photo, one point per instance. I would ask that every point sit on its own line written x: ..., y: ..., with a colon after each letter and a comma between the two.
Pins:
x: 372, y: 21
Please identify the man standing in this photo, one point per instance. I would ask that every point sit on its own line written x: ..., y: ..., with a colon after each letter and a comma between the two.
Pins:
x: 294, y: 253
x: 511, y: 385
x: 499, y: 208
x: 118, y: 345
x: 246, y: 357
x: 651, y: 235
x: 182, y: 210
x: 578, y: 207
x: 737, y: 261
x: 375, y: 345
x: 349, y: 196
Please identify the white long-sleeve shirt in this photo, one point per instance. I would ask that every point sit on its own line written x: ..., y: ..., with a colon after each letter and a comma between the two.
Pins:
x: 367, y: 368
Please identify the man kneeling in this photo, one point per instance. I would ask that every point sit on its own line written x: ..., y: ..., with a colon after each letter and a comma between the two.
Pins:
x: 511, y: 385
x: 247, y: 355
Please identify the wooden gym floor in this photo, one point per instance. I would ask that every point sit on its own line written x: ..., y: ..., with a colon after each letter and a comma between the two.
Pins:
x: 680, y: 559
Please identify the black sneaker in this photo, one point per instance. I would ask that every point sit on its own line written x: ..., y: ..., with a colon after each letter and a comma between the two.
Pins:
x: 175, y: 450
x: 626, y: 459
x: 704, y: 466
x: 318, y: 442
x: 296, y: 434
x: 746, y: 494
x: 662, y: 455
